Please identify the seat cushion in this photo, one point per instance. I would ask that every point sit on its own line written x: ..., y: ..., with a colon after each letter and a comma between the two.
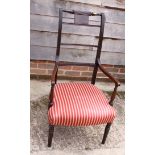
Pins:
x: 79, y: 104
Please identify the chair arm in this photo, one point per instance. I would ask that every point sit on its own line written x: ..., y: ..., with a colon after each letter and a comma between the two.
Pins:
x: 53, y: 82
x: 54, y: 74
x: 117, y: 83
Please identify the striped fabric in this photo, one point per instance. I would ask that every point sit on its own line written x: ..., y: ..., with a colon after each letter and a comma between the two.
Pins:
x: 79, y: 104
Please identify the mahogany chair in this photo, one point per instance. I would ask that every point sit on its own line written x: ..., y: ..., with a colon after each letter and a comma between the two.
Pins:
x: 80, y: 104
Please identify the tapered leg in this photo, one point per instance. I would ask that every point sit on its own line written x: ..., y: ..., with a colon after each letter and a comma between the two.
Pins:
x: 50, y: 135
x: 106, y: 131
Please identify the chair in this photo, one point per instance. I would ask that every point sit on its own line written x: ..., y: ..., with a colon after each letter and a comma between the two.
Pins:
x: 80, y: 104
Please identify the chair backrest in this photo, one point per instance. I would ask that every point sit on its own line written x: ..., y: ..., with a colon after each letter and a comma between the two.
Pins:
x: 82, y: 18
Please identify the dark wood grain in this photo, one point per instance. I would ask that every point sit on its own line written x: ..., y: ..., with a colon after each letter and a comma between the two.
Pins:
x: 53, y: 82
x: 117, y: 83
x: 107, y: 73
x: 107, y: 128
x: 50, y: 135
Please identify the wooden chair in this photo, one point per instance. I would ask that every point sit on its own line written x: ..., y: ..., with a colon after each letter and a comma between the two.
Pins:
x: 80, y: 104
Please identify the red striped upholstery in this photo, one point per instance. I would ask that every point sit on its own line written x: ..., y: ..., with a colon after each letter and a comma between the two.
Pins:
x: 79, y: 104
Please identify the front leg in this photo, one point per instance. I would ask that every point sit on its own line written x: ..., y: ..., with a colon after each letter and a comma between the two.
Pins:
x: 50, y: 135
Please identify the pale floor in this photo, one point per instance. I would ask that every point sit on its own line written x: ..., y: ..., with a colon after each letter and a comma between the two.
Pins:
x: 74, y: 140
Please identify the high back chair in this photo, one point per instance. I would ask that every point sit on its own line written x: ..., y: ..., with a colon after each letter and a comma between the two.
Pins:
x: 80, y: 104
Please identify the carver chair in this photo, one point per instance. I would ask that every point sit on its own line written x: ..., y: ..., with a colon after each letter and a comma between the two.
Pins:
x: 80, y: 104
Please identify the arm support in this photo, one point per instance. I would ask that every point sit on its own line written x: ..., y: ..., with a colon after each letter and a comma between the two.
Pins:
x: 53, y: 82
x: 117, y: 83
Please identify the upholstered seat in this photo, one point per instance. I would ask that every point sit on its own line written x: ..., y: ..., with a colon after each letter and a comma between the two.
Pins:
x: 79, y: 104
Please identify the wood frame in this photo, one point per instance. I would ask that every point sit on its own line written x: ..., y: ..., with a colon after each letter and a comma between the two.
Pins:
x: 96, y: 65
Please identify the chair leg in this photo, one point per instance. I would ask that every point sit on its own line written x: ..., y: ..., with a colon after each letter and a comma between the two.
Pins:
x: 50, y: 135
x: 106, y: 131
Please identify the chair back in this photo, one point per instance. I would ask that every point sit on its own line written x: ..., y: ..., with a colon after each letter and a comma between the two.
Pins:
x: 82, y: 18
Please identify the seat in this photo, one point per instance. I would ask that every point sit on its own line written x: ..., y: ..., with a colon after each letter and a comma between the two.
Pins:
x: 79, y: 104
